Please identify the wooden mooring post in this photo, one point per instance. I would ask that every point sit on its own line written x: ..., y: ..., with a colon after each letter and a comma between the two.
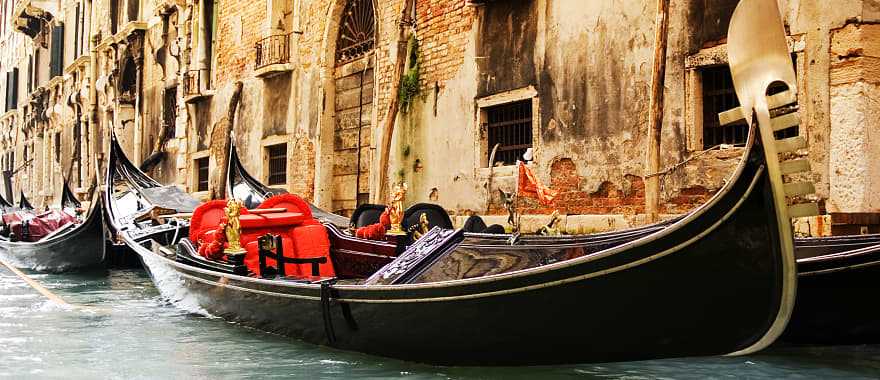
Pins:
x: 655, y: 127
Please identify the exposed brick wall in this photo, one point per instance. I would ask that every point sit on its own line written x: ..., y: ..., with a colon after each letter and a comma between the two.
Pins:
x: 235, y: 58
x: 625, y: 198
x: 443, y: 31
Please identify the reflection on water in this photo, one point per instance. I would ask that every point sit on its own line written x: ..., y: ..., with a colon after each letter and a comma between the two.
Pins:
x: 128, y: 332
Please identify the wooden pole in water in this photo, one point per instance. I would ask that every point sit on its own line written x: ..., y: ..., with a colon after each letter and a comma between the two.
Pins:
x: 45, y: 292
x: 658, y: 77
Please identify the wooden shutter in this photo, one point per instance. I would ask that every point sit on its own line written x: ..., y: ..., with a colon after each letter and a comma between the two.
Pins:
x: 56, y: 58
x: 12, y: 89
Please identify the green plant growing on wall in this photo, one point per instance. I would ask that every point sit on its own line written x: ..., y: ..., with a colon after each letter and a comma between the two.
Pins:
x: 409, y: 83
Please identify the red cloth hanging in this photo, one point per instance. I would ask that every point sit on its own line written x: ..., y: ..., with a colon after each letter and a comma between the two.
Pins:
x: 530, y: 186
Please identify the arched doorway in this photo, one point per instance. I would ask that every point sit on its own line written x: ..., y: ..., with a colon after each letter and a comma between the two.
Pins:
x: 353, y: 108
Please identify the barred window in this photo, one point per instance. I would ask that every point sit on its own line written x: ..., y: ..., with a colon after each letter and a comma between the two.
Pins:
x: 277, y: 164
x: 510, y: 127
x: 202, y: 171
x: 719, y: 96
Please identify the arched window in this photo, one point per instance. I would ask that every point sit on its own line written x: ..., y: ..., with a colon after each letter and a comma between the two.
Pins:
x: 356, y: 31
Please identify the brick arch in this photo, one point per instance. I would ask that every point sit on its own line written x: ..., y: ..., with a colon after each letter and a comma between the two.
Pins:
x: 324, y: 152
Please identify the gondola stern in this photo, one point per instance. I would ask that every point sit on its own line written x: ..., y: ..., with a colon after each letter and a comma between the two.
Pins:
x: 759, y: 58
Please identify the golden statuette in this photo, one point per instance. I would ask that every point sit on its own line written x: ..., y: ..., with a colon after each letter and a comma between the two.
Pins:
x: 395, y: 210
x: 233, y: 228
x: 420, y: 229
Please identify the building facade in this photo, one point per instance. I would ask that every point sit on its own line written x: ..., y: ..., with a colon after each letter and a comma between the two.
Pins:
x: 310, y: 89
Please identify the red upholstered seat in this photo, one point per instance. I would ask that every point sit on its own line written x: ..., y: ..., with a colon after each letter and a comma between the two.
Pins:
x: 207, y: 217
x: 312, y: 241
x: 279, y: 219
x: 291, y: 202
x: 302, y: 236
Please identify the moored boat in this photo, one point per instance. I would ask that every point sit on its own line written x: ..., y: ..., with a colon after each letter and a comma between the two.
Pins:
x: 834, y: 303
x: 719, y: 281
x: 77, y: 245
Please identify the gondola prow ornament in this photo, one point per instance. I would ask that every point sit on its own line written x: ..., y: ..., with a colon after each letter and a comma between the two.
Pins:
x: 232, y: 230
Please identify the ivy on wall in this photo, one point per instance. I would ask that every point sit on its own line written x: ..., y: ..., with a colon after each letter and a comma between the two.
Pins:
x: 409, y: 83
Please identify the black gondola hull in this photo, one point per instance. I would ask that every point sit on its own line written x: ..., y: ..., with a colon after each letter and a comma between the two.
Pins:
x: 79, y: 248
x: 717, y: 283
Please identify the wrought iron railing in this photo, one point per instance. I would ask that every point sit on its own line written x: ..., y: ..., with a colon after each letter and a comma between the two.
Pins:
x: 272, y: 50
x: 192, y: 83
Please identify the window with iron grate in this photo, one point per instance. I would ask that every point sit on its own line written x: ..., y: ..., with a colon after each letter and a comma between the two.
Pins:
x: 719, y: 96
x: 356, y: 31
x: 277, y: 155
x: 202, y: 171
x: 510, y: 126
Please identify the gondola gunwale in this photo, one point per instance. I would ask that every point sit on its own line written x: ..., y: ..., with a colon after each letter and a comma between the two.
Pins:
x: 525, y: 242
x: 839, y: 262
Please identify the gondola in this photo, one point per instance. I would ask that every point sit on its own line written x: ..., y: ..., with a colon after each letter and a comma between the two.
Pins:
x: 4, y: 204
x: 68, y: 198
x: 23, y: 202
x: 830, y: 306
x: 71, y: 247
x: 719, y: 281
x: 134, y: 199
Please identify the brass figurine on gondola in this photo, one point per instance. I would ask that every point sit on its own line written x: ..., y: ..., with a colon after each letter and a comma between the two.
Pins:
x: 233, y: 228
x: 422, y: 228
x: 395, y: 210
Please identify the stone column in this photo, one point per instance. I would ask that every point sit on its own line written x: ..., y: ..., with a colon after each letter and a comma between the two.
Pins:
x: 854, y: 154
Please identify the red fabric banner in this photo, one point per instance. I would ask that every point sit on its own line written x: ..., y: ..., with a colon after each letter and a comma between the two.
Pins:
x: 528, y: 185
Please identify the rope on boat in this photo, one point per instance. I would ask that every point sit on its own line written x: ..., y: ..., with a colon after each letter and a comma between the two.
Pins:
x: 325, y: 312
x: 692, y: 157
x: 40, y: 288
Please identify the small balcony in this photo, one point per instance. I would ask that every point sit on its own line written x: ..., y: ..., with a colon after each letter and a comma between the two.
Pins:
x: 272, y: 55
x: 191, y: 83
x: 193, y: 86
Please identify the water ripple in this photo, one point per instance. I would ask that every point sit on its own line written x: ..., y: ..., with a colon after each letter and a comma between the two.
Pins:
x: 131, y: 333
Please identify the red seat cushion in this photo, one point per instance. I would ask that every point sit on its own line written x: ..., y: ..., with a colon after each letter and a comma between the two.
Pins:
x: 291, y: 202
x: 312, y: 241
x: 207, y: 217
x: 252, y: 258
x: 278, y: 219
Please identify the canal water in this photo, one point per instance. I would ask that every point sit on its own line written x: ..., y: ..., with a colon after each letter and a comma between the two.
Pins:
x: 128, y: 332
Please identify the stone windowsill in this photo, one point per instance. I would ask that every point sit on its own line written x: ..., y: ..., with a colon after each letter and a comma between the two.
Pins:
x: 269, y: 71
x: 498, y: 171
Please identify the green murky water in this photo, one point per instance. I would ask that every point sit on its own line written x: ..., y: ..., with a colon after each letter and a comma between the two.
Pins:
x: 130, y: 333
